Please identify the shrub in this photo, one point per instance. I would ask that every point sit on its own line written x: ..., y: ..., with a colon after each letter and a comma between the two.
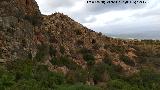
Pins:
x: 77, y: 76
x: 89, y: 58
x: 71, y: 77
x: 127, y: 60
x: 42, y: 52
x: 6, y: 80
x: 142, y: 59
x: 78, y: 32
x: 52, y: 38
x: 100, y: 73
x: 35, y: 19
x: 106, y: 46
x: 64, y: 61
x: 29, y: 56
x: 27, y: 85
x: 81, y: 75
x: 62, y: 49
x: 116, y: 84
x: 119, y: 84
x: 118, y: 49
x: 22, y: 69
x: 146, y: 79
x: 52, y: 51
x: 85, y: 50
x: 93, y: 41
x: 113, y: 70
x: 29, y: 75
x: 78, y: 87
x: 49, y: 79
x: 96, y: 46
x: 108, y: 60
x: 79, y: 42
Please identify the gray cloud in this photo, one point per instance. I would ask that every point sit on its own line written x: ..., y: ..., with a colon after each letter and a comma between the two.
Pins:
x: 112, y: 18
x: 92, y: 8
x: 60, y: 3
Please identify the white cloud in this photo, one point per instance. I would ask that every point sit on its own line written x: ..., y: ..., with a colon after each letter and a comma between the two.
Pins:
x: 112, y: 18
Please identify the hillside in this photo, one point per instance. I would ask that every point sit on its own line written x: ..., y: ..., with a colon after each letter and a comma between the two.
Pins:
x: 54, y: 52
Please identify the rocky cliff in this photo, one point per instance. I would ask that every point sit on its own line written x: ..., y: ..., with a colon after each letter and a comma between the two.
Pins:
x: 19, y: 8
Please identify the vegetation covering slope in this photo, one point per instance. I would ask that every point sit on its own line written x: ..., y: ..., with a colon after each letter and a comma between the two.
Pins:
x: 30, y: 75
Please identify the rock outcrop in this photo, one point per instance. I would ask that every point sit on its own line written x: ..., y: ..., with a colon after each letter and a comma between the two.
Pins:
x: 16, y: 38
x: 19, y: 8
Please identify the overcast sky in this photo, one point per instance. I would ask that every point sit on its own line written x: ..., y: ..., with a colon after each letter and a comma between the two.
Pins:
x: 108, y: 18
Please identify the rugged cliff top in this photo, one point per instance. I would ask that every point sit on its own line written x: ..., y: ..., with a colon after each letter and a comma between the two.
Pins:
x: 19, y: 8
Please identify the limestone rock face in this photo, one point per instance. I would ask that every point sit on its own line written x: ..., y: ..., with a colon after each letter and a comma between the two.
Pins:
x: 16, y: 28
x: 19, y: 8
x: 30, y: 7
x: 15, y: 38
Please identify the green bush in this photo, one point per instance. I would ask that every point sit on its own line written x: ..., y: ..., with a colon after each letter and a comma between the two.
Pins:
x: 22, y: 69
x: 89, y: 58
x: 77, y: 76
x: 127, y: 60
x: 52, y: 51
x: 148, y: 79
x: 108, y: 60
x: 115, y: 48
x: 42, y: 52
x: 116, y: 84
x: 71, y: 77
x: 100, y: 73
x: 64, y: 61
x: 81, y: 75
x: 35, y: 19
x: 62, y: 49
x: 85, y: 50
x: 31, y: 84
x: 78, y: 87
x: 6, y: 80
x: 119, y: 84
x: 107, y: 67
